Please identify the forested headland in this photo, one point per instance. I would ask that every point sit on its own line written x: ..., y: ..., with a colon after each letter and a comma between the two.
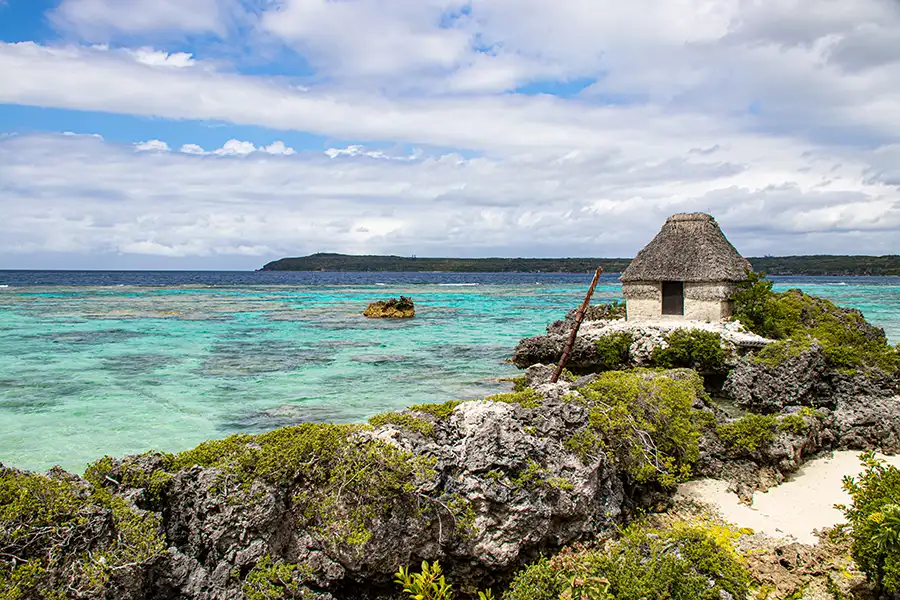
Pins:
x: 773, y: 265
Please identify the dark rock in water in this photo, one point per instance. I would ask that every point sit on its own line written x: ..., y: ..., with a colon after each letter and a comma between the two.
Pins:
x: 402, y: 308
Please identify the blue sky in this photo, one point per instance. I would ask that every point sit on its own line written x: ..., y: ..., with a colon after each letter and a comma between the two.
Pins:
x: 226, y: 133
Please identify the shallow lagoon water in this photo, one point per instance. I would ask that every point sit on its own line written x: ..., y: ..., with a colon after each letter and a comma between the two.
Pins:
x: 88, y: 370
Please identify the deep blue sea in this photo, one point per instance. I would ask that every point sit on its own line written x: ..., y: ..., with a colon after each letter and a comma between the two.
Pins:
x: 95, y: 363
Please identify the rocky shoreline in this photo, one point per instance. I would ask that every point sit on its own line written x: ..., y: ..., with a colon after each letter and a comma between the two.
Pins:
x: 484, y: 487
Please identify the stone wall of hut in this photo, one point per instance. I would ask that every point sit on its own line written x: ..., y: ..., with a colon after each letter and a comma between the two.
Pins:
x: 702, y: 301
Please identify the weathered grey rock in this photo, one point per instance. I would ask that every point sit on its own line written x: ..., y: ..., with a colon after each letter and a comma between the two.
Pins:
x: 802, y: 380
x: 796, y: 381
x: 868, y: 423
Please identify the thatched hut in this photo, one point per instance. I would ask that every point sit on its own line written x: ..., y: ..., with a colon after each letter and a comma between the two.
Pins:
x: 688, y: 271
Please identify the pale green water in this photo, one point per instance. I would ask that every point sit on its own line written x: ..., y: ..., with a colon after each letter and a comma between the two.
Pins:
x: 88, y: 371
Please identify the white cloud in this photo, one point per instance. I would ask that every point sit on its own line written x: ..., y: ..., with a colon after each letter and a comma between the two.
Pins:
x: 159, y: 58
x: 100, y: 20
x: 192, y: 149
x: 233, y: 147
x: 278, y: 148
x: 152, y: 145
x: 781, y: 116
x: 84, y: 195
x: 359, y: 150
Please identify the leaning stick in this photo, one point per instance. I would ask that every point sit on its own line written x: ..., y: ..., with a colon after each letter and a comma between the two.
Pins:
x: 579, y: 317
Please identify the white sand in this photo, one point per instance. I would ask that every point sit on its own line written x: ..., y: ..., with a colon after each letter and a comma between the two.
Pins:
x: 793, y: 509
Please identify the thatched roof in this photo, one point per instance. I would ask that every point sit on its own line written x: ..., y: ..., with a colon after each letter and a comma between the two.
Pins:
x: 689, y: 247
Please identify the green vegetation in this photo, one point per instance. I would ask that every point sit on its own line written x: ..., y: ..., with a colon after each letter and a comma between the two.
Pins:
x: 874, y: 522
x: 404, y: 420
x: 645, y: 421
x: 343, y: 481
x: 528, y: 398
x: 127, y: 474
x: 614, y: 350
x: 608, y: 311
x: 276, y: 580
x: 780, y: 351
x: 749, y: 433
x: 776, y: 265
x: 441, y: 412
x: 344, y: 262
x: 59, y: 536
x: 692, y: 349
x: 847, y: 340
x: 681, y: 563
x: 429, y: 584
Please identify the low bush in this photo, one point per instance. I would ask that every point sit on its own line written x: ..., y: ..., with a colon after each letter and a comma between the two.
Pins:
x: 645, y: 421
x: 874, y: 522
x: 59, y: 536
x: 608, y: 311
x: 692, y: 349
x: 847, y: 340
x: 749, y: 433
x: 527, y: 398
x: 404, y: 420
x: 429, y: 584
x: 340, y: 479
x: 614, y: 350
x: 681, y: 563
x: 439, y: 411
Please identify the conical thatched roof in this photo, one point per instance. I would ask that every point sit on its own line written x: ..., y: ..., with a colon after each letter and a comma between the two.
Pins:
x: 689, y: 247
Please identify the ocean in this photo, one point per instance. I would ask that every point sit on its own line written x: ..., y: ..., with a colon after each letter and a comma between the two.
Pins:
x: 95, y: 363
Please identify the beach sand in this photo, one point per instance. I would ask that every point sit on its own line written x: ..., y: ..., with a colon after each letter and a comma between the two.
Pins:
x: 803, y: 503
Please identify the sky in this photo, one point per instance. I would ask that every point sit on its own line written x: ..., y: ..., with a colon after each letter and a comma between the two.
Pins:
x: 221, y: 134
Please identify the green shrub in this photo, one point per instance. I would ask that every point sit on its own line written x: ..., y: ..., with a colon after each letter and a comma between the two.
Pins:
x: 71, y: 536
x: 782, y: 350
x: 605, y: 312
x: 276, y: 580
x: 344, y: 480
x: 614, y: 349
x: 528, y: 398
x: 429, y: 584
x: 404, y: 420
x: 749, y: 433
x: 681, y: 563
x: 874, y: 521
x: 645, y: 421
x: 847, y: 340
x: 439, y: 411
x: 692, y: 349
x: 756, y: 308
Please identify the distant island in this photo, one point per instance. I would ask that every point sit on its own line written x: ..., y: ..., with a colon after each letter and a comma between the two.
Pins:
x: 773, y: 265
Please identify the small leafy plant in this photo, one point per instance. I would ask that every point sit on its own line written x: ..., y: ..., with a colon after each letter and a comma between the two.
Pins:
x: 429, y: 584
x: 874, y: 521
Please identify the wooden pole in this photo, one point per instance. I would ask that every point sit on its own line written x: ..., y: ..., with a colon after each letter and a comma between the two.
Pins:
x: 579, y: 317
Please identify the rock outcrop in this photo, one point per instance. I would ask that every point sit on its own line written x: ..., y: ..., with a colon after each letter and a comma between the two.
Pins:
x: 402, y: 308
x: 644, y: 337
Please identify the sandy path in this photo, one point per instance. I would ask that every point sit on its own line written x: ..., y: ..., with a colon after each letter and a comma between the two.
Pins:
x: 793, y: 509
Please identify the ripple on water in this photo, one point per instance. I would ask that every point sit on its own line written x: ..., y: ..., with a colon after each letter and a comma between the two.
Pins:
x: 237, y: 358
x: 137, y: 364
x: 284, y: 415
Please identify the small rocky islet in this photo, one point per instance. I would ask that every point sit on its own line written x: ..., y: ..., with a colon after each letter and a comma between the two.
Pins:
x: 551, y: 491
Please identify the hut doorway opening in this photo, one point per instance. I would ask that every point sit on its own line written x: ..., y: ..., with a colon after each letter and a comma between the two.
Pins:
x: 673, y: 298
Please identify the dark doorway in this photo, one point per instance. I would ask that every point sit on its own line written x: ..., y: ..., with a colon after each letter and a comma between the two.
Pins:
x: 673, y: 298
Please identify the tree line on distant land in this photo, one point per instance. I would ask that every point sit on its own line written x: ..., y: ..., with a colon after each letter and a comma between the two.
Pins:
x: 772, y: 265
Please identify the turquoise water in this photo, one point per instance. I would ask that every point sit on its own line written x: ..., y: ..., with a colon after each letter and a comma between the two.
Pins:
x: 87, y: 371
